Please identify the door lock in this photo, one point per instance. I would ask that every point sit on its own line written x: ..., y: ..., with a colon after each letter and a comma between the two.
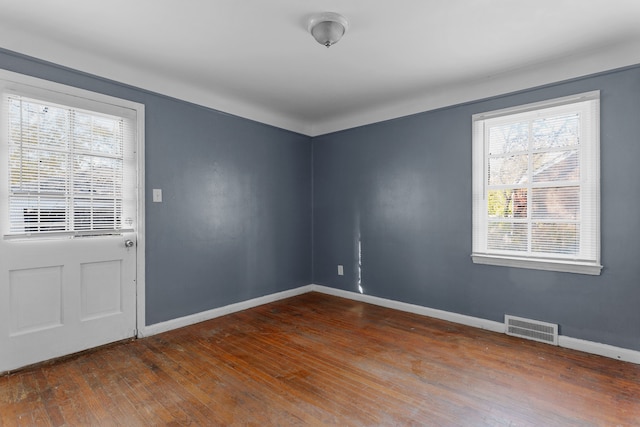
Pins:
x: 128, y: 243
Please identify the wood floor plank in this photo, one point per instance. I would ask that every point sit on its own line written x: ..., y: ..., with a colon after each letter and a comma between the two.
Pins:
x: 326, y: 380
x: 49, y: 406
x: 208, y: 385
x: 382, y: 381
x: 152, y: 399
x: 317, y: 359
x: 67, y: 396
x: 23, y: 390
x: 111, y: 377
x: 35, y: 412
x: 179, y: 397
x: 96, y: 381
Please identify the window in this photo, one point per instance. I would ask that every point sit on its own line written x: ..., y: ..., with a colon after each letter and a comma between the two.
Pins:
x: 536, y: 184
x: 69, y: 164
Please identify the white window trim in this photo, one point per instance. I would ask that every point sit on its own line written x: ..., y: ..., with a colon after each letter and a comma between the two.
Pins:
x: 480, y: 255
x: 12, y: 84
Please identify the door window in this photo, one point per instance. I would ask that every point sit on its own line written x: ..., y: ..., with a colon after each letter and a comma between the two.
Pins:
x: 67, y: 169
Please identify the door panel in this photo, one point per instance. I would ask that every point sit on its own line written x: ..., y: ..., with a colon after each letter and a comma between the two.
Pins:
x: 35, y: 299
x: 64, y: 296
x: 100, y: 289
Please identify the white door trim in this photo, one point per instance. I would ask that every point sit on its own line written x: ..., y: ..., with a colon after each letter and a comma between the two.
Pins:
x: 140, y: 247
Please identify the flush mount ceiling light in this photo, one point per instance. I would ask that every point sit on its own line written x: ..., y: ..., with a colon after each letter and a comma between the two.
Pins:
x: 328, y: 27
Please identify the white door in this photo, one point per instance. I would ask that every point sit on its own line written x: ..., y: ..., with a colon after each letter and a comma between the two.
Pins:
x: 68, y: 244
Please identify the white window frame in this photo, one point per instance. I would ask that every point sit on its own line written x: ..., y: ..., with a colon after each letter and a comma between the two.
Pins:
x: 73, y: 98
x: 585, y: 262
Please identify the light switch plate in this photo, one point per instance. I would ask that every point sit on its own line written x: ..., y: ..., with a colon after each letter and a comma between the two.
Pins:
x: 157, y: 195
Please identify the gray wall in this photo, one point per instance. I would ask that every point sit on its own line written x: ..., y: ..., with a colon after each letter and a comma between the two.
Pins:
x: 235, y: 223
x: 237, y: 214
x: 403, y: 189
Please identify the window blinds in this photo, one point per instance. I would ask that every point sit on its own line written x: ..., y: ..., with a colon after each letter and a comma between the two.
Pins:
x: 71, y: 170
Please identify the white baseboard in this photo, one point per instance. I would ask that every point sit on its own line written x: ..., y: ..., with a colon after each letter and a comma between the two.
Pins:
x: 476, y: 322
x: 600, y: 349
x: 220, y: 311
x: 624, y: 354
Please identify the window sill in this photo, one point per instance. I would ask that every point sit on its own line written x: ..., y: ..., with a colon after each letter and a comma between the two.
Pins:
x: 39, y: 235
x: 579, y: 267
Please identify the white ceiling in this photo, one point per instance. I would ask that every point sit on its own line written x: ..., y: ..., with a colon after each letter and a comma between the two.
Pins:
x: 255, y: 59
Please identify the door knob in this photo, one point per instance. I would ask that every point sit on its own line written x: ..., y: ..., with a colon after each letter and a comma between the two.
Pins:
x: 128, y: 243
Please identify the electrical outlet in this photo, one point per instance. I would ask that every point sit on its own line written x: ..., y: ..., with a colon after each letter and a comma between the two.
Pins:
x: 340, y: 270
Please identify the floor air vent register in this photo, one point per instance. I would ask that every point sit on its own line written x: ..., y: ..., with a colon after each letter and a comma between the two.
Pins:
x: 531, y: 329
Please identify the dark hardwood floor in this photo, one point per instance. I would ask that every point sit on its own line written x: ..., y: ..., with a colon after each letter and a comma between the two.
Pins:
x: 320, y: 360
